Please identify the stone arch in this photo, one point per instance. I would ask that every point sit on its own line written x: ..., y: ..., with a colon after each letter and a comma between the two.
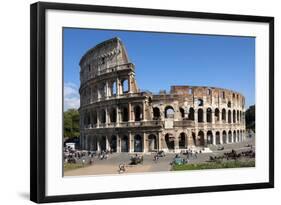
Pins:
x: 169, y: 112
x: 200, y: 102
x: 229, y: 136
x: 113, y: 143
x: 138, y: 143
x: 209, y: 114
x: 182, y: 140
x: 125, y: 85
x: 113, y: 115
x: 217, y: 115
x: 229, y: 104
x: 125, y: 114
x: 201, y: 141
x: 224, y: 137
x: 138, y: 112
x: 103, y: 116
x: 210, y: 137
x: 223, y: 115
x: 103, y: 143
x: 124, y: 143
x: 182, y: 112
x: 229, y: 116
x: 170, y: 141
x: 234, y: 136
x: 191, y: 114
x: 218, y: 140
x: 234, y: 116
x: 156, y: 113
x: 152, y: 142
x: 200, y: 115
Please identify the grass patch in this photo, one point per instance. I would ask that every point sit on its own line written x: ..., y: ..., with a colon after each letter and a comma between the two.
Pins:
x: 71, y: 166
x: 214, y: 165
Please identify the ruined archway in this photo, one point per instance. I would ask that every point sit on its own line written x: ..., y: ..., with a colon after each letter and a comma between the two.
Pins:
x: 138, y: 143
x: 170, y: 141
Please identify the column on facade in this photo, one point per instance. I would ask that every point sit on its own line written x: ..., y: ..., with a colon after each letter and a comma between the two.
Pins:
x: 98, y: 144
x: 213, y: 116
x: 159, y: 145
x: 130, y: 83
x: 143, y: 111
x: 118, y: 143
x: 131, y: 143
x: 214, y: 138
x: 144, y: 140
x: 205, y: 138
x: 107, y: 145
x: 176, y: 143
x: 106, y: 117
x: 204, y: 115
x: 98, y: 117
x: 130, y: 111
x: 227, y: 140
x: 221, y: 137
x: 196, y: 116
x: 117, y: 115
x: 117, y: 87
x: 106, y: 89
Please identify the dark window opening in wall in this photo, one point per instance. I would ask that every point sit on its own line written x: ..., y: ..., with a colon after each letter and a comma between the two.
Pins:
x: 137, y: 111
x: 95, y: 117
x: 209, y: 92
x: 103, y: 116
x: 125, y: 114
x: 200, y: 102
x: 89, y: 67
x: 223, y: 114
x: 209, y: 115
x: 229, y: 116
x: 182, y: 112
x: 223, y: 95
x: 169, y: 112
x: 217, y: 114
x: 229, y: 104
x: 200, y: 115
x: 156, y: 113
x: 191, y: 114
x: 125, y: 86
x: 113, y: 115
x: 234, y: 116
x: 182, y: 140
x: 103, y: 60
x: 233, y: 95
x: 238, y: 115
x: 201, y: 140
x: 138, y: 143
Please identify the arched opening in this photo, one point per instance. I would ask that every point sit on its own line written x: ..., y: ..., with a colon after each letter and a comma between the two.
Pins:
x: 200, y: 102
x: 113, y: 115
x: 103, y: 116
x: 170, y: 141
x: 137, y: 112
x: 229, y: 104
x: 210, y: 137
x: 124, y: 144
x: 194, y: 138
x: 182, y: 112
x: 217, y: 115
x: 156, y: 113
x: 125, y: 86
x: 229, y: 116
x: 138, y: 144
x: 113, y: 143
x: 169, y: 112
x: 191, y: 114
x: 94, y: 114
x: 200, y: 115
x: 113, y: 89
x: 223, y: 115
x: 209, y: 115
x: 218, y: 140
x: 182, y: 140
x: 201, y: 141
x: 125, y: 114
x: 229, y: 137
x: 224, y: 137
x: 152, y: 143
x: 234, y: 116
x: 234, y: 136
x: 103, y: 143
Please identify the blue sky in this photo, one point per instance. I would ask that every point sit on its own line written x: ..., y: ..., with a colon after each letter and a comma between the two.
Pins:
x: 163, y: 59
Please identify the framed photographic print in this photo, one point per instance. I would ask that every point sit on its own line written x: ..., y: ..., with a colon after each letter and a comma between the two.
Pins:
x: 129, y: 102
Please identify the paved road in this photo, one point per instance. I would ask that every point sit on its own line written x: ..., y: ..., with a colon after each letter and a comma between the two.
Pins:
x: 110, y: 166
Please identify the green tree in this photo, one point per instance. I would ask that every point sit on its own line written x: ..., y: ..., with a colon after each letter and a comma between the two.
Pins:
x: 250, y: 117
x: 71, y: 123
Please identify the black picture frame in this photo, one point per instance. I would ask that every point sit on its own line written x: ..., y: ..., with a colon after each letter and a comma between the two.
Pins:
x: 38, y: 100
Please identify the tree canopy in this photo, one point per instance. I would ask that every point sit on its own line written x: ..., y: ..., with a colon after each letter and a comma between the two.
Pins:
x: 250, y: 117
x: 71, y: 123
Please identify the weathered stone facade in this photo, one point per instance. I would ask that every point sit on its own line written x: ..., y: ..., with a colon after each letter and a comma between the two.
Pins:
x: 115, y: 115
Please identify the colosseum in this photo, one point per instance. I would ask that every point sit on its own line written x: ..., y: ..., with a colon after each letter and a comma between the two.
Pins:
x: 116, y: 115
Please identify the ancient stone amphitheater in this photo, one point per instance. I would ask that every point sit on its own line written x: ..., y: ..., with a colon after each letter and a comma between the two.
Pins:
x: 116, y: 115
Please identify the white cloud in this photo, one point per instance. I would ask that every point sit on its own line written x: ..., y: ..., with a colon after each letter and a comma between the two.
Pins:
x: 71, y: 96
